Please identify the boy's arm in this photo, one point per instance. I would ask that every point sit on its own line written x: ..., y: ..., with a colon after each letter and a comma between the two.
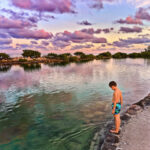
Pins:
x: 115, y: 98
x: 121, y: 99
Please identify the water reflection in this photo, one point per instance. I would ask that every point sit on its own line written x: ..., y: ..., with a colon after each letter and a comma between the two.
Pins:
x: 63, y: 64
x: 5, y: 68
x: 31, y: 67
x: 49, y: 107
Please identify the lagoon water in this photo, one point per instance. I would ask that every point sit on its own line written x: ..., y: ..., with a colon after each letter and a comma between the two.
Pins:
x: 60, y: 107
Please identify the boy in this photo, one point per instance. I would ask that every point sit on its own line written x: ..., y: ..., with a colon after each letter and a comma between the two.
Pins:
x: 117, y: 102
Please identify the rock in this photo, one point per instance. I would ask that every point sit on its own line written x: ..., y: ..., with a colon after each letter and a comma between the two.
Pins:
x: 131, y: 111
x: 107, y: 146
x: 140, y: 103
x: 125, y: 117
x: 135, y: 107
x: 147, y: 102
x: 112, y: 138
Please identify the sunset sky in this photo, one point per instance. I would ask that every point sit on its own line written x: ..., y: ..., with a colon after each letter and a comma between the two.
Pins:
x: 59, y: 26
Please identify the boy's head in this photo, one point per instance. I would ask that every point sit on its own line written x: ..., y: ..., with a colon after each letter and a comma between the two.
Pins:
x: 113, y: 85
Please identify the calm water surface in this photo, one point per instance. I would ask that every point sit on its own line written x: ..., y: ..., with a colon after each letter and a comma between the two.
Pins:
x: 60, y: 107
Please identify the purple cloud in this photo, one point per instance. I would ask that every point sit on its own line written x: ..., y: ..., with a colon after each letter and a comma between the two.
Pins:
x: 130, y: 30
x: 130, y: 41
x: 5, y: 41
x: 130, y: 20
x: 92, y: 31
x: 82, y: 46
x: 99, y: 40
x: 98, y: 4
x: 6, y: 23
x: 30, y: 34
x: 65, y: 38
x: 142, y: 14
x: 85, y: 23
x: 61, y: 44
x: 57, y: 6
x: 33, y: 42
x: 45, y: 43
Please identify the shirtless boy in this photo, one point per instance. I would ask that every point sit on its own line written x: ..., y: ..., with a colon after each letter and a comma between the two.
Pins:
x: 117, y: 102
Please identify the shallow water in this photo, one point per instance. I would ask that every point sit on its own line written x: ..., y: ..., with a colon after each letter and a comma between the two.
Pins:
x: 59, y: 107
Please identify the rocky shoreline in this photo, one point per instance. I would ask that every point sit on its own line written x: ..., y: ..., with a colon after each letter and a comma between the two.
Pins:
x: 104, y: 140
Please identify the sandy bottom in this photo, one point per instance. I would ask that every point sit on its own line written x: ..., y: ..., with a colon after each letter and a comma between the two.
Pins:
x: 135, y: 135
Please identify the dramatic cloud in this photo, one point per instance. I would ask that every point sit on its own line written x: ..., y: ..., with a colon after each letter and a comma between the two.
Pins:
x: 6, y: 23
x: 82, y: 46
x: 30, y: 34
x: 130, y: 41
x: 143, y: 14
x: 65, y: 38
x: 85, y: 23
x: 5, y: 41
x: 130, y: 30
x: 57, y: 6
x: 130, y: 20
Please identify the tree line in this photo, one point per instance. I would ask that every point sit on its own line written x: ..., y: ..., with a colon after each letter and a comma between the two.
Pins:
x: 67, y: 57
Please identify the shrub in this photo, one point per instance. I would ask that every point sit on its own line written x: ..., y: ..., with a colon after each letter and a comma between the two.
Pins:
x: 22, y: 60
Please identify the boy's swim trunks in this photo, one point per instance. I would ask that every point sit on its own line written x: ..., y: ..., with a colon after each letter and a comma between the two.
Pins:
x: 118, y: 108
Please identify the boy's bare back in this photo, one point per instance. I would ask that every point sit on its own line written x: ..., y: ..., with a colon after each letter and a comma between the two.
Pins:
x: 117, y: 96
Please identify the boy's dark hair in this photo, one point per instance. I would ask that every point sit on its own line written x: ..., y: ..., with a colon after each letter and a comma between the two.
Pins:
x: 112, y: 83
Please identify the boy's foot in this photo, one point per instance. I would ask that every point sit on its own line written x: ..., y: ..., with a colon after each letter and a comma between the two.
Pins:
x: 114, y: 131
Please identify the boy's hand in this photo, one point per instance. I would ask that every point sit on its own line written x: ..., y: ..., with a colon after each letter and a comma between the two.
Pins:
x: 113, y: 111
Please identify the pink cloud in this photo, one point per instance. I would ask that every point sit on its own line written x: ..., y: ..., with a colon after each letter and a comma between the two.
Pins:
x: 57, y: 6
x: 30, y: 34
x: 65, y: 38
x: 130, y: 20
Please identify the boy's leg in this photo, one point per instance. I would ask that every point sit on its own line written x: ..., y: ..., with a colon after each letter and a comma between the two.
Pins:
x: 117, y: 123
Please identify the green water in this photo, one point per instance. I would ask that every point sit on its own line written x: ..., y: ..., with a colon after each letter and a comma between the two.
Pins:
x: 60, y: 107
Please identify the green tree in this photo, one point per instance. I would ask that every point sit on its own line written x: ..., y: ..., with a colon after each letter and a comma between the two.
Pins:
x: 79, y: 53
x: 64, y: 57
x: 52, y: 55
x: 31, y: 53
x: 134, y: 55
x: 120, y: 55
x: 67, y: 54
x: 88, y: 57
x: 73, y: 58
x: 104, y: 55
x: 145, y: 54
x: 4, y: 56
x: 147, y: 49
